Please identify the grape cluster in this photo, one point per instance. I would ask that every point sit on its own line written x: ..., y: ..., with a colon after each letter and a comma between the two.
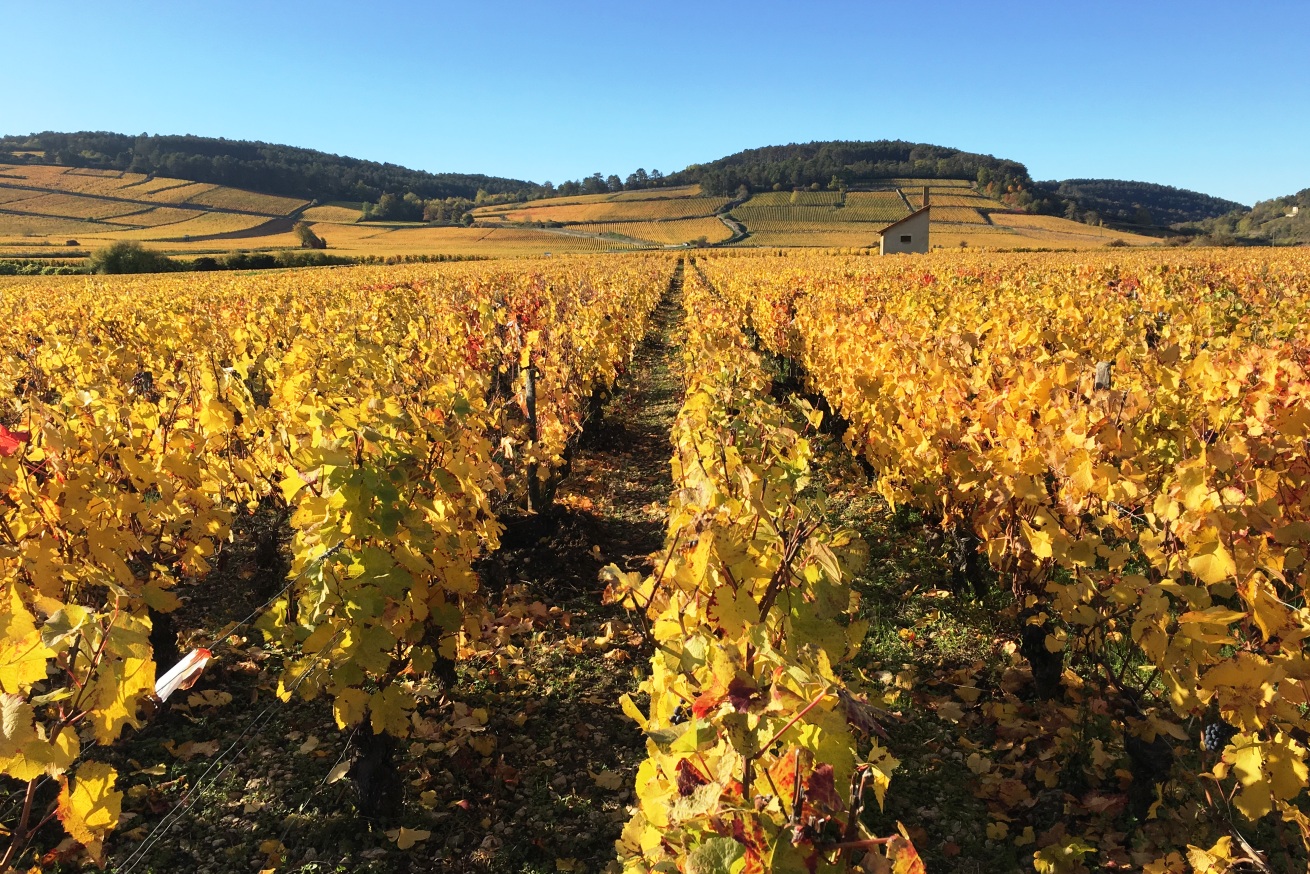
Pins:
x: 816, y: 830
x: 1216, y: 735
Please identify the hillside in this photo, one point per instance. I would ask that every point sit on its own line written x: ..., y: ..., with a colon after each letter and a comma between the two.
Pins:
x: 852, y: 164
x: 42, y: 205
x: 64, y: 195
x: 1281, y: 221
x: 56, y: 212
x: 962, y: 217
x: 50, y: 212
x: 656, y: 216
x: 289, y: 171
x: 1137, y: 203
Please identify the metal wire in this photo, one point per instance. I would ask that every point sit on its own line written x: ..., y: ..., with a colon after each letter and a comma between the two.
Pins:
x: 193, y: 795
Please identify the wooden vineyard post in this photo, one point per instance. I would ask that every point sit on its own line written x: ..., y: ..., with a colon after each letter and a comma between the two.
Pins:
x: 1104, y: 381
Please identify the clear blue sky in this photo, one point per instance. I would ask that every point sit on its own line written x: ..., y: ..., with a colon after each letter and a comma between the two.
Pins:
x: 1203, y: 95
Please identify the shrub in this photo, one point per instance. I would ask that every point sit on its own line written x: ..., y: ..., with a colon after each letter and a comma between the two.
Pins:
x: 309, y: 239
x: 128, y: 256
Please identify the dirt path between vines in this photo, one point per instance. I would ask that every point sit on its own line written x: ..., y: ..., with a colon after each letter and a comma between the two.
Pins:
x: 525, y: 765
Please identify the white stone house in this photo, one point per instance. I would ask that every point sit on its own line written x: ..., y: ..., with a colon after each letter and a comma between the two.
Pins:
x: 910, y: 234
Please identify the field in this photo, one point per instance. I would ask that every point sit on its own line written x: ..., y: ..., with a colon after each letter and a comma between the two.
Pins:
x: 332, y: 213
x: 961, y: 218
x: 583, y: 199
x: 665, y: 233
x: 43, y: 207
x: 644, y: 205
x: 827, y: 219
x: 948, y: 195
x: 247, y: 201
x: 821, y: 235
x: 874, y: 206
x: 135, y: 187
x: 985, y: 562
x: 381, y: 240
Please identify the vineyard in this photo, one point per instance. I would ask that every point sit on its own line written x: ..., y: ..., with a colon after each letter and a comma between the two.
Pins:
x: 651, y: 208
x: 94, y: 208
x: 737, y: 563
x: 496, y: 242
x: 59, y: 191
x: 63, y: 213
x: 665, y: 233
x: 961, y: 218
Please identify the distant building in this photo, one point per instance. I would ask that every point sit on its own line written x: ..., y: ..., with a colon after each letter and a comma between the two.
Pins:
x: 910, y: 234
x: 1295, y: 210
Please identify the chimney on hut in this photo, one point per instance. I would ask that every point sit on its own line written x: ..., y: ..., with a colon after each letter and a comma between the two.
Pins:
x: 925, y: 195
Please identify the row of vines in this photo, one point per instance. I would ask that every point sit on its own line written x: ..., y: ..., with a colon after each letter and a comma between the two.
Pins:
x: 380, y: 413
x: 1126, y: 443
x: 759, y: 757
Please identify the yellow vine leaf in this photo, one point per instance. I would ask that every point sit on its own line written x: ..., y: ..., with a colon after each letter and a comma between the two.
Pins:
x: 1063, y: 858
x: 1213, y: 564
x: 349, y: 706
x: 119, y: 687
x: 1268, y: 771
x: 18, y: 739
x: 291, y: 483
x: 390, y: 709
x: 734, y: 609
x: 633, y: 712
x: 1215, y: 860
x: 90, y: 809
x: 1246, y: 686
x: 882, y: 764
x: 23, y: 655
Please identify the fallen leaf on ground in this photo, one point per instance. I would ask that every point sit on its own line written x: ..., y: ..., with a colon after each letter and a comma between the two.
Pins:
x: 191, y: 749
x: 209, y: 698
x: 950, y: 711
x: 408, y: 837
x: 608, y: 780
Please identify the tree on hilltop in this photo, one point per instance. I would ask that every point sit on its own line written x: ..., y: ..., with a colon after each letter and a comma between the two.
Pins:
x: 308, y: 239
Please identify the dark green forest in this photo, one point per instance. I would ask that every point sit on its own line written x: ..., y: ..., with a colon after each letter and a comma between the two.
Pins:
x: 853, y: 164
x: 1134, y: 203
x: 255, y: 166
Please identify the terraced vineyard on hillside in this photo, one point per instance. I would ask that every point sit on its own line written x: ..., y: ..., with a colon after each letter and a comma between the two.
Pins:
x: 61, y: 212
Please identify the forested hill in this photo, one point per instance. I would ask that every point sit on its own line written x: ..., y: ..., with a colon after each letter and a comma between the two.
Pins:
x: 263, y: 167
x: 1283, y: 221
x: 851, y: 164
x: 1139, y: 203
x: 415, y: 194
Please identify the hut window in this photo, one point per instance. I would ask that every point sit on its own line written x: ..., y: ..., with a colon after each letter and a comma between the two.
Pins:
x: 905, y: 238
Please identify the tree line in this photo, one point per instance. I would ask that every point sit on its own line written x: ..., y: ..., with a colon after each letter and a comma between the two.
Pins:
x: 803, y: 165
x: 265, y: 167
x: 1144, y: 204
